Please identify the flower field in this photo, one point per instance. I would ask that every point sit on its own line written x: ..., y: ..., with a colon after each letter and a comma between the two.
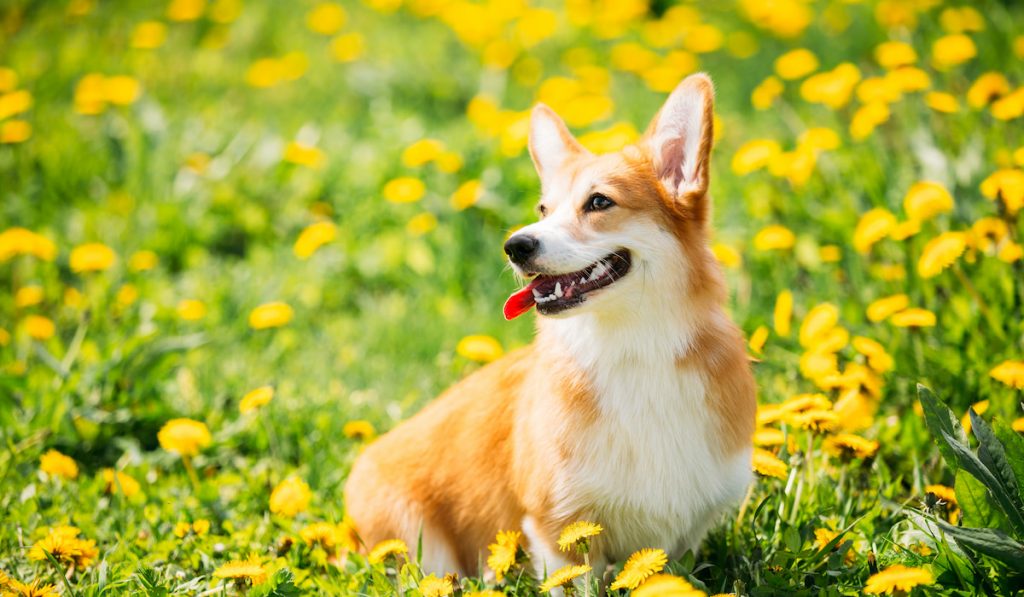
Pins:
x: 239, y: 239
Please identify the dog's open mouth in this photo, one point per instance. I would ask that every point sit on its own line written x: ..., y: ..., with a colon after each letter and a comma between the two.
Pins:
x: 554, y: 294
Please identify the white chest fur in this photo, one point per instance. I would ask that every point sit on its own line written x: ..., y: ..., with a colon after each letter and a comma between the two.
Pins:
x: 649, y: 468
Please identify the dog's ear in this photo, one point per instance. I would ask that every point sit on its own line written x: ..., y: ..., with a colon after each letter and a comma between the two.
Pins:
x: 551, y: 143
x: 680, y: 137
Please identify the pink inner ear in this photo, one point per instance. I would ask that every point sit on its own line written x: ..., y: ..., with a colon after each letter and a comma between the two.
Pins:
x: 670, y: 167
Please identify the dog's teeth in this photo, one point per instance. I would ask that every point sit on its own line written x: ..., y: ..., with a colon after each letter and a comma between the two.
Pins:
x: 536, y: 295
x: 558, y: 289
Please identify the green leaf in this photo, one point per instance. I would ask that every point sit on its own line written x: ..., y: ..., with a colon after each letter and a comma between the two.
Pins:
x: 969, y: 462
x: 942, y: 423
x: 282, y: 584
x: 976, y: 504
x: 993, y: 455
x: 1013, y: 443
x: 993, y: 543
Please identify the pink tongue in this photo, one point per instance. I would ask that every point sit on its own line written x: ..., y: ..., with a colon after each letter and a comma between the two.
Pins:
x: 520, y: 302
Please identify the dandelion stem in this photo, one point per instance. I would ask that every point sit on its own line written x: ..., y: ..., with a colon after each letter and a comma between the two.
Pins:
x: 187, y: 461
x: 980, y: 301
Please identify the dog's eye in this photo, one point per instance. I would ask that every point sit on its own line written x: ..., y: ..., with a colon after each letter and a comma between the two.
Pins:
x: 598, y: 202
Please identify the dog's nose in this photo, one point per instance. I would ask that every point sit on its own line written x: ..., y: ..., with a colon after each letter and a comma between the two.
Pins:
x: 521, y: 247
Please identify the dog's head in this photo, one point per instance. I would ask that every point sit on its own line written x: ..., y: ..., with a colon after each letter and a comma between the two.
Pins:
x: 616, y: 227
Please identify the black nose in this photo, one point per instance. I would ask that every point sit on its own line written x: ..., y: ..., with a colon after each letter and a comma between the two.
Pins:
x: 521, y: 247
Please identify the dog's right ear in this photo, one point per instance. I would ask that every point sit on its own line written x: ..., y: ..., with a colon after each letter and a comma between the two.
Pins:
x: 551, y: 143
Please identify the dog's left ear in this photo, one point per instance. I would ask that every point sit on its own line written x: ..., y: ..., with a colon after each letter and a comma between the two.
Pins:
x: 680, y: 137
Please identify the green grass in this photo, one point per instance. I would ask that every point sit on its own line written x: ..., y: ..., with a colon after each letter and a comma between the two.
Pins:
x: 378, y: 312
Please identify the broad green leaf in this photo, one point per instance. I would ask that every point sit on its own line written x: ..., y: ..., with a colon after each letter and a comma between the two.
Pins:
x: 993, y: 455
x: 940, y: 420
x: 970, y: 463
x: 993, y: 543
x: 976, y: 504
x: 1013, y: 443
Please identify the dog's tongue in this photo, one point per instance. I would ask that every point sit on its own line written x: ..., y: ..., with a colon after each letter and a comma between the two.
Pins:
x: 520, y: 301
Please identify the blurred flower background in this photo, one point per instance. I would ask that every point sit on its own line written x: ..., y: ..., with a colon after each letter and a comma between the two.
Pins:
x: 240, y: 238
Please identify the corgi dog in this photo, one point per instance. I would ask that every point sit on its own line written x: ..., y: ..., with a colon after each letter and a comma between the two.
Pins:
x: 633, y: 408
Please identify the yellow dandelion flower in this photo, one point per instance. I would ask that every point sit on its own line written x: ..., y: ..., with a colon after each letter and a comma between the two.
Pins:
x: 878, y: 358
x: 927, y: 199
x: 422, y: 152
x: 36, y: 589
x: 848, y: 445
x: 191, y: 309
x: 181, y: 529
x: 768, y: 437
x: 405, y: 189
x: 639, y: 567
x: 774, y: 238
x: 727, y: 255
x: 815, y: 364
x: 952, y: 50
x: 313, y: 237
x: 127, y: 294
x: 944, y: 493
x: 768, y: 414
x: 884, y: 307
x: 432, y: 586
x: 63, y: 544
x: 118, y: 482
x: 867, y: 118
x: 563, y: 576
x: 872, y: 227
x: 303, y: 154
x: 39, y: 327
x: 92, y: 257
x: 421, y: 224
x: 940, y: 253
x: 958, y: 20
x: 479, y: 348
x: 885, y: 90
x: 467, y: 194
x: 893, y: 54
x: 385, y: 549
x: 15, y: 131
x: 897, y: 578
x: 241, y: 571
x: 819, y: 321
x: 765, y: 94
x: 323, y: 534
x: 14, y: 103
x: 783, y: 315
x: 796, y: 64
x: 819, y: 138
x: 578, y: 534
x: 326, y: 18
x: 348, y: 47
x: 121, y: 90
x: 1010, y: 106
x: 1007, y: 185
x: 201, y: 527
x: 767, y: 464
x: 255, y: 399
x: 1010, y: 373
x: 610, y: 139
x: 20, y: 241
x: 666, y: 585
x: 28, y: 296
x: 184, y: 437
x: 270, y: 315
x: 940, y: 101
x: 290, y: 497
x: 908, y: 79
x: 816, y: 420
x: 904, y: 230
x: 914, y: 318
x: 149, y: 35
x: 986, y: 89
x: 758, y: 338
x: 55, y: 464
x: 185, y: 10
x: 754, y: 155
x: 359, y: 430
x: 1018, y: 425
x: 503, y: 553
